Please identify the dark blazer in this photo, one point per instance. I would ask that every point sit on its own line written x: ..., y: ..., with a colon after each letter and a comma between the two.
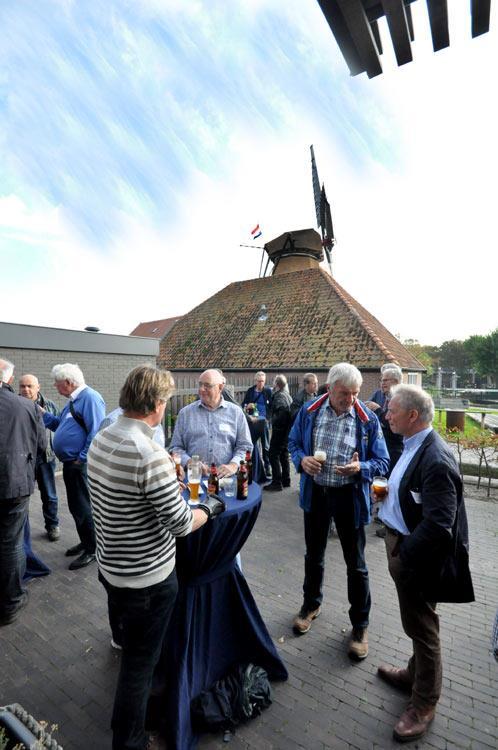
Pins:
x: 252, y: 394
x: 22, y: 438
x: 439, y: 538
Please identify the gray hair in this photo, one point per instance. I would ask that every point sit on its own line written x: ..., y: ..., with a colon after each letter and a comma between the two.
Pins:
x: 344, y: 373
x: 393, y: 371
x: 281, y: 381
x: 387, y: 366
x: 414, y: 397
x: 309, y: 376
x: 6, y: 370
x: 260, y: 374
x: 69, y: 372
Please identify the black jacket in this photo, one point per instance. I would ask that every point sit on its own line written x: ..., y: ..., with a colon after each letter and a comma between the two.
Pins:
x: 22, y: 438
x: 252, y: 394
x: 281, y: 410
x: 437, y: 536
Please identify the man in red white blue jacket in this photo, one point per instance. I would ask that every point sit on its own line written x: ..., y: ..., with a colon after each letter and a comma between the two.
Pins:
x: 336, y: 485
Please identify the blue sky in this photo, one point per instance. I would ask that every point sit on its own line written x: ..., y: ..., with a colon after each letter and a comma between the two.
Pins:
x: 141, y: 140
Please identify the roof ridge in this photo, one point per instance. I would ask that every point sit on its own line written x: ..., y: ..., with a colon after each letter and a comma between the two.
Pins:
x: 346, y: 298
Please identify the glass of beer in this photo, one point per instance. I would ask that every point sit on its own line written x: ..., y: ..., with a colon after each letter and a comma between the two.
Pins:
x: 379, y: 487
x: 320, y: 455
x: 194, y: 480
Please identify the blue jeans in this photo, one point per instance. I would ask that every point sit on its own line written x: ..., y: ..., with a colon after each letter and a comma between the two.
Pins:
x: 139, y: 618
x: 45, y: 477
x: 78, y: 500
x: 13, y: 514
x: 336, y: 503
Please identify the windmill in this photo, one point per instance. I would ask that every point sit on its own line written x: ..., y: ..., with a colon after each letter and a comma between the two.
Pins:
x: 323, y: 214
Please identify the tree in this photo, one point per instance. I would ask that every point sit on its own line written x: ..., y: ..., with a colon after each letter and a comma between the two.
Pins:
x: 487, y: 355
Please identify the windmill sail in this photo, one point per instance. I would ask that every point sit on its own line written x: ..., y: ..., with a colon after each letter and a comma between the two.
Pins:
x: 323, y: 213
x: 316, y: 187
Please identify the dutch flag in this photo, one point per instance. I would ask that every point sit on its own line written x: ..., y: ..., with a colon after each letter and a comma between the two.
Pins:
x: 256, y: 232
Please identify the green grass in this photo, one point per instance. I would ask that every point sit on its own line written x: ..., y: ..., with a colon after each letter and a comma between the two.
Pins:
x: 472, y: 428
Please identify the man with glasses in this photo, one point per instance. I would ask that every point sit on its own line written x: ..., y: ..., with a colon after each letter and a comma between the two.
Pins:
x: 212, y: 428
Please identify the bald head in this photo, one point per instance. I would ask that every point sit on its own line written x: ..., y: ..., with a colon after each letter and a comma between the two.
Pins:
x: 29, y: 387
x: 210, y: 387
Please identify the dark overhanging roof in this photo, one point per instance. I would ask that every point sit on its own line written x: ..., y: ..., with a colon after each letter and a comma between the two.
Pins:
x: 354, y: 25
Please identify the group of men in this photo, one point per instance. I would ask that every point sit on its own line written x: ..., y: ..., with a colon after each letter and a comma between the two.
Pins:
x: 424, y: 515
x: 134, y: 488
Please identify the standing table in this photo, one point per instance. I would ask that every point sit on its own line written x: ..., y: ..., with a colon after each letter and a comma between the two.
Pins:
x: 216, y: 623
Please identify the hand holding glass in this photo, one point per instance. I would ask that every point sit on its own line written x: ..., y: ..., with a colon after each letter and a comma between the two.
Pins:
x: 380, y: 487
x: 320, y: 456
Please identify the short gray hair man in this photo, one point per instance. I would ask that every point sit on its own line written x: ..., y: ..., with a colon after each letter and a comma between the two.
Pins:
x: 71, y: 373
x: 414, y: 398
x: 344, y: 373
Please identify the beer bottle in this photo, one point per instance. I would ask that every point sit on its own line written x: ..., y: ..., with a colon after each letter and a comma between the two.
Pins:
x: 213, y: 481
x: 249, y: 467
x: 242, y: 484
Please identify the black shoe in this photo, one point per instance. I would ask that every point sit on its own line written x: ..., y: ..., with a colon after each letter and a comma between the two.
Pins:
x: 12, y: 616
x: 53, y: 533
x: 82, y: 561
x: 286, y: 484
x: 273, y: 488
x: 76, y: 550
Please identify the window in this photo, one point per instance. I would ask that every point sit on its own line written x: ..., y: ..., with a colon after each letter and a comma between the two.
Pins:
x: 412, y: 378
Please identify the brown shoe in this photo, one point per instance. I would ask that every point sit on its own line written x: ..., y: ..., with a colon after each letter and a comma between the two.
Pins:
x: 358, y: 644
x: 302, y: 621
x: 398, y: 678
x: 413, y: 723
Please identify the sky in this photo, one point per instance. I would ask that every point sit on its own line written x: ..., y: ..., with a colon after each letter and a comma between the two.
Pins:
x: 142, y: 140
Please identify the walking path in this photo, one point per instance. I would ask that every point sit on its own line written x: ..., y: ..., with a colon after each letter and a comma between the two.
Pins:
x: 57, y: 660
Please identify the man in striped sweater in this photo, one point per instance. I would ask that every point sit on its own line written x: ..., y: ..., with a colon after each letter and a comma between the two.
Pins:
x: 138, y: 511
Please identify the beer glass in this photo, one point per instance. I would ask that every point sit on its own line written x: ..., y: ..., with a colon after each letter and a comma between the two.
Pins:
x: 194, y: 479
x: 379, y: 487
x: 320, y: 456
x: 228, y: 484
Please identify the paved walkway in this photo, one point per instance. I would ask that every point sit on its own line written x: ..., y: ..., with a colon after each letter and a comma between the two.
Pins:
x: 57, y: 661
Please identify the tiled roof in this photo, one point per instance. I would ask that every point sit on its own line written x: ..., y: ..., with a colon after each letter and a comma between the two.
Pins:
x: 312, y: 323
x: 155, y: 329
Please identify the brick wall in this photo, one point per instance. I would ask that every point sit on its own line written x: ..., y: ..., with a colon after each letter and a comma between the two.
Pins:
x: 104, y: 372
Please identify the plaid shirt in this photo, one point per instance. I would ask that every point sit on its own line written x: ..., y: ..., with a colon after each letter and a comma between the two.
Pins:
x: 336, y: 435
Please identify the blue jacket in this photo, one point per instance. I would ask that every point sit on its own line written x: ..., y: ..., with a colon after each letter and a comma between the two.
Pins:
x: 370, y: 444
x: 71, y: 441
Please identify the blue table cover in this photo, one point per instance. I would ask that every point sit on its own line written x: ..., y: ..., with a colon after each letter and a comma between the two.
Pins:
x: 216, y: 622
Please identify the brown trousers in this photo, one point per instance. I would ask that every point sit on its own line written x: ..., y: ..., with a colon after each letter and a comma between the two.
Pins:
x: 421, y: 624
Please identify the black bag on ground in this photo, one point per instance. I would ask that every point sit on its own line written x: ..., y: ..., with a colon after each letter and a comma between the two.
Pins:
x: 237, y: 697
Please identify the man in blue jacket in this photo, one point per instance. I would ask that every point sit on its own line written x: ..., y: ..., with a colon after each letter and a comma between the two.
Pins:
x: 74, y: 430
x: 336, y: 485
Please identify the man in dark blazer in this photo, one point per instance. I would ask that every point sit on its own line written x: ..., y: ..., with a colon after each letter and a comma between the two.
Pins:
x: 427, y: 550
x: 22, y: 438
x: 259, y: 397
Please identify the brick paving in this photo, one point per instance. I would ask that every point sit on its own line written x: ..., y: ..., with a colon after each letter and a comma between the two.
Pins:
x: 57, y: 660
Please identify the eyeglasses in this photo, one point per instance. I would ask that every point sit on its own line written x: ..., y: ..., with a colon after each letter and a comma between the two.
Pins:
x: 208, y: 386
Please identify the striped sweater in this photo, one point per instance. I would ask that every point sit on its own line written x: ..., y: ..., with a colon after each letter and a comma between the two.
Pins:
x: 136, y: 503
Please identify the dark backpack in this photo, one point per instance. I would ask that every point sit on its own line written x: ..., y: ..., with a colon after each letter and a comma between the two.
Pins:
x: 239, y: 696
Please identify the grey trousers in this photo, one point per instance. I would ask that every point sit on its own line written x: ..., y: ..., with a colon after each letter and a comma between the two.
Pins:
x: 421, y: 624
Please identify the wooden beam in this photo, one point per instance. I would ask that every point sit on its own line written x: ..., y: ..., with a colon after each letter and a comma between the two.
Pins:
x: 338, y: 26
x: 409, y: 20
x: 480, y: 10
x: 438, y: 19
x: 376, y: 35
x: 398, y: 28
x: 359, y: 28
